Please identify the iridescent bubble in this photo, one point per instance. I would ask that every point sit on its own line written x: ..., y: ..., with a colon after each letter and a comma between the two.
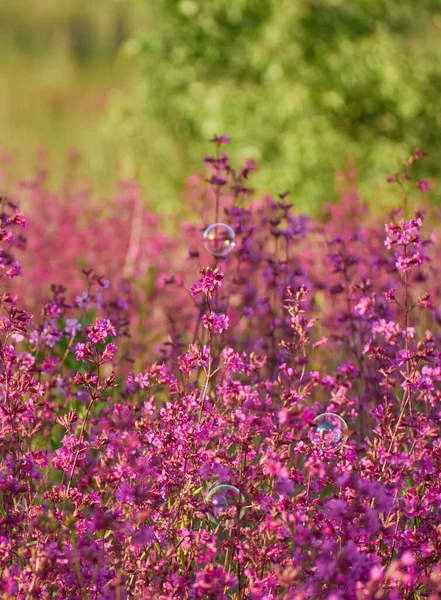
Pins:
x: 225, y: 501
x: 219, y: 239
x: 329, y: 432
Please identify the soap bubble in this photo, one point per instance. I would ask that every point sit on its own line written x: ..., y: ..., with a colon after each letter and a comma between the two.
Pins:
x: 329, y: 432
x: 224, y: 501
x: 219, y: 239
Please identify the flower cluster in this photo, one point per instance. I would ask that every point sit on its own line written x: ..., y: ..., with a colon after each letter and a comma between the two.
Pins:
x: 404, y: 233
x: 273, y: 434
x: 211, y: 280
x: 216, y: 323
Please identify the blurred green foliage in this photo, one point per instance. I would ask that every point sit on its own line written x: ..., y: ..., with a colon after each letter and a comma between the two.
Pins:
x: 59, y: 67
x: 139, y: 86
x: 298, y: 85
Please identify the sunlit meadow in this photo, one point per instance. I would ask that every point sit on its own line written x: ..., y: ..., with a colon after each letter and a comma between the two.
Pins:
x: 246, y: 409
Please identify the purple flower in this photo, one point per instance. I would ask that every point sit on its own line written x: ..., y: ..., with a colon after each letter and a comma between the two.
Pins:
x: 217, y: 179
x: 72, y: 327
x: 83, y: 300
x: 14, y: 270
x: 222, y: 139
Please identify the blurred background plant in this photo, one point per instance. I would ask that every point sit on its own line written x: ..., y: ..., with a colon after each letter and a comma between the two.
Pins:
x: 60, y: 64
x: 140, y: 85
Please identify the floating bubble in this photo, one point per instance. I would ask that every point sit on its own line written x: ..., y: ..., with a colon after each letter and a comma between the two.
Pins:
x: 329, y: 432
x: 225, y: 501
x: 219, y: 239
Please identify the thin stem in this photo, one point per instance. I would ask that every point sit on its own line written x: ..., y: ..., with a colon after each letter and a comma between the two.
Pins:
x: 406, y: 321
x: 217, y: 189
x: 80, y: 441
x: 205, y: 389
x: 208, y: 373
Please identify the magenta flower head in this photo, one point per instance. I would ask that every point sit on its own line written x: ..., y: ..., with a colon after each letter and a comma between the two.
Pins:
x: 221, y: 139
x: 406, y: 263
x: 109, y: 352
x: 102, y: 329
x: 72, y: 452
x: 212, y: 278
x: 80, y: 352
x: 403, y: 233
x: 218, y: 323
x: 423, y: 186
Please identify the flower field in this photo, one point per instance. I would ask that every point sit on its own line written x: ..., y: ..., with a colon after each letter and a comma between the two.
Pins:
x: 246, y: 408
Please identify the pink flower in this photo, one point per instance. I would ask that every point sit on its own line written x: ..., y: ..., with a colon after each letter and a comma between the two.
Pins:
x: 195, y: 357
x: 80, y: 352
x: 423, y: 186
x: 363, y: 305
x: 65, y: 456
x: 217, y: 323
x: 405, y: 264
x: 14, y: 270
x: 102, y: 329
x: 212, y: 278
x: 109, y: 352
x: 403, y: 233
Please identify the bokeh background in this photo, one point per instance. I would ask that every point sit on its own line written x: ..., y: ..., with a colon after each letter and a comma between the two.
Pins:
x: 139, y: 86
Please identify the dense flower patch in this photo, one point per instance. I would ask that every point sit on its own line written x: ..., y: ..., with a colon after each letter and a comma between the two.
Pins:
x: 257, y: 418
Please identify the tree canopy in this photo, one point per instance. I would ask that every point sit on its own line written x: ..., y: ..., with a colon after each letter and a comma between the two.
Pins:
x: 298, y: 85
